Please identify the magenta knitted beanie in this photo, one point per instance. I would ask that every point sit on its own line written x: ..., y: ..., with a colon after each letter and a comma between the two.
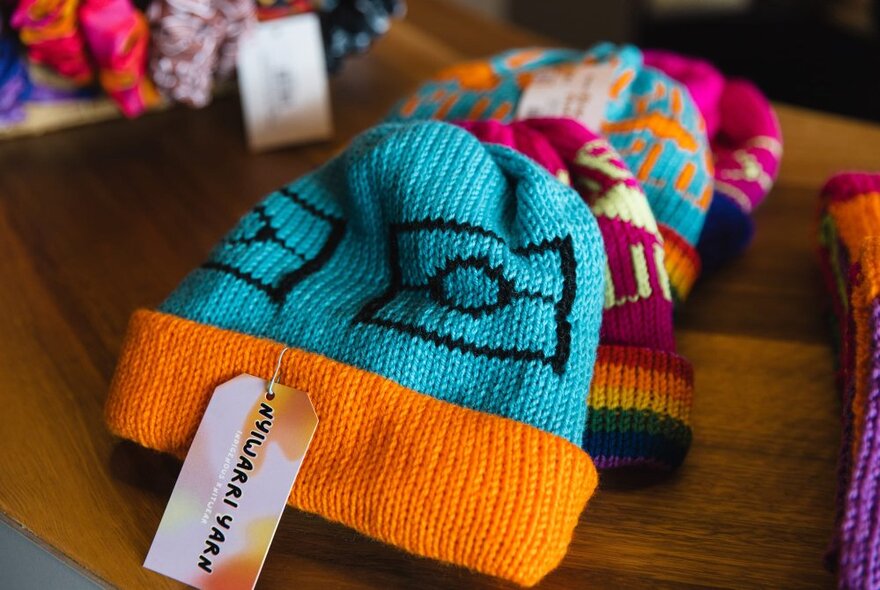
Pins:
x: 641, y: 391
x: 746, y: 144
x: 740, y: 122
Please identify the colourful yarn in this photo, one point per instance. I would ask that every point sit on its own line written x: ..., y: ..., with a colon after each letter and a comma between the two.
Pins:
x: 48, y: 28
x: 117, y: 36
x: 58, y: 34
x: 196, y: 42
x: 649, y: 119
x: 850, y: 255
x: 442, y: 299
x: 628, y: 425
x: 747, y: 144
x: 17, y: 88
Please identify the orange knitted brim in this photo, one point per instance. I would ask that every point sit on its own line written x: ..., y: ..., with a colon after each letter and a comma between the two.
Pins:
x: 438, y: 480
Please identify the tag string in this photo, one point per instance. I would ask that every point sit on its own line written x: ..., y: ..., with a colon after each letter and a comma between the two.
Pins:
x: 270, y: 392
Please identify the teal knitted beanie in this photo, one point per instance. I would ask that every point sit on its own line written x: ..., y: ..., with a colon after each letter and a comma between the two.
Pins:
x: 457, y: 269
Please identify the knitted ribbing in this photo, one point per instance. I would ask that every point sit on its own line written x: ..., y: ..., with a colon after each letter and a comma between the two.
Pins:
x: 850, y: 218
x: 435, y: 479
x: 640, y: 395
x: 649, y: 119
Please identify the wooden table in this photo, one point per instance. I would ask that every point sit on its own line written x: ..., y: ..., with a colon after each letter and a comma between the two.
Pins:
x: 98, y: 221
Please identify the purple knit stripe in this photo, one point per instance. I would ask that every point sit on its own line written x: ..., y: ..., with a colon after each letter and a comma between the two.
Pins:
x: 860, y: 530
x: 847, y: 329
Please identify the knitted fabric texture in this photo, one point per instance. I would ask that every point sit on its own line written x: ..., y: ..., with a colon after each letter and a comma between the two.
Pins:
x: 442, y: 299
x: 850, y: 256
x: 628, y: 425
x: 649, y: 119
x: 747, y: 145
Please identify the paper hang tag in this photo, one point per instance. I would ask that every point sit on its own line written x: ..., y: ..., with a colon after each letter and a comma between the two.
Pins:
x: 578, y: 92
x: 282, y: 80
x: 233, y: 486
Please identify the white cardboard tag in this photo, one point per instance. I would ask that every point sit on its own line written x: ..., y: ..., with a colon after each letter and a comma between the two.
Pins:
x: 282, y: 80
x: 234, y: 484
x: 578, y: 92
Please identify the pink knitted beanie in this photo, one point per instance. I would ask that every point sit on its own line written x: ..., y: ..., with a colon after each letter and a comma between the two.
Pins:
x: 746, y: 143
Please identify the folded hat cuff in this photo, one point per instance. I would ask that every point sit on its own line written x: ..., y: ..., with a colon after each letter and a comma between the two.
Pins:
x: 438, y: 480
x: 682, y: 263
x: 640, y: 403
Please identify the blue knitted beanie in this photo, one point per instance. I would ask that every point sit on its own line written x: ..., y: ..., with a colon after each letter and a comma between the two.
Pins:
x: 457, y: 269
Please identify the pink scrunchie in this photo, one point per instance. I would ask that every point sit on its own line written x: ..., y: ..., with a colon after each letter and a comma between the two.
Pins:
x: 117, y: 36
x: 48, y: 28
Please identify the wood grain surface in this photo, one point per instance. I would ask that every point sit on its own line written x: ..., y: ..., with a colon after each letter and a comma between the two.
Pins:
x: 98, y: 221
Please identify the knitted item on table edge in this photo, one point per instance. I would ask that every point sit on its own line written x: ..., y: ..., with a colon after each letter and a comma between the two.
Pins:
x: 649, y: 118
x: 850, y: 255
x: 442, y: 301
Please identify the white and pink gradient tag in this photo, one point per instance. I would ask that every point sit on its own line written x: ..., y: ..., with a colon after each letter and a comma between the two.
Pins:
x: 234, y: 484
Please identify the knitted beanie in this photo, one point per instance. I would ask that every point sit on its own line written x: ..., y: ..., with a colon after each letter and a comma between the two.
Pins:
x: 649, y: 119
x: 850, y: 256
x: 640, y: 397
x: 747, y: 144
x: 442, y: 300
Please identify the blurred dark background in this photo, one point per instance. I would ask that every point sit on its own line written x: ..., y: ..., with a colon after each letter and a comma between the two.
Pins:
x: 822, y: 54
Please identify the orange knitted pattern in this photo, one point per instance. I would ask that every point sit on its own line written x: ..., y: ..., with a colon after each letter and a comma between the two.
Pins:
x: 438, y: 480
x: 682, y: 262
x: 856, y: 220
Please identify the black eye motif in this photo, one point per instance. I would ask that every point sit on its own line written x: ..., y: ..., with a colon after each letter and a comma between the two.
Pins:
x: 464, y: 288
x: 471, y: 285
